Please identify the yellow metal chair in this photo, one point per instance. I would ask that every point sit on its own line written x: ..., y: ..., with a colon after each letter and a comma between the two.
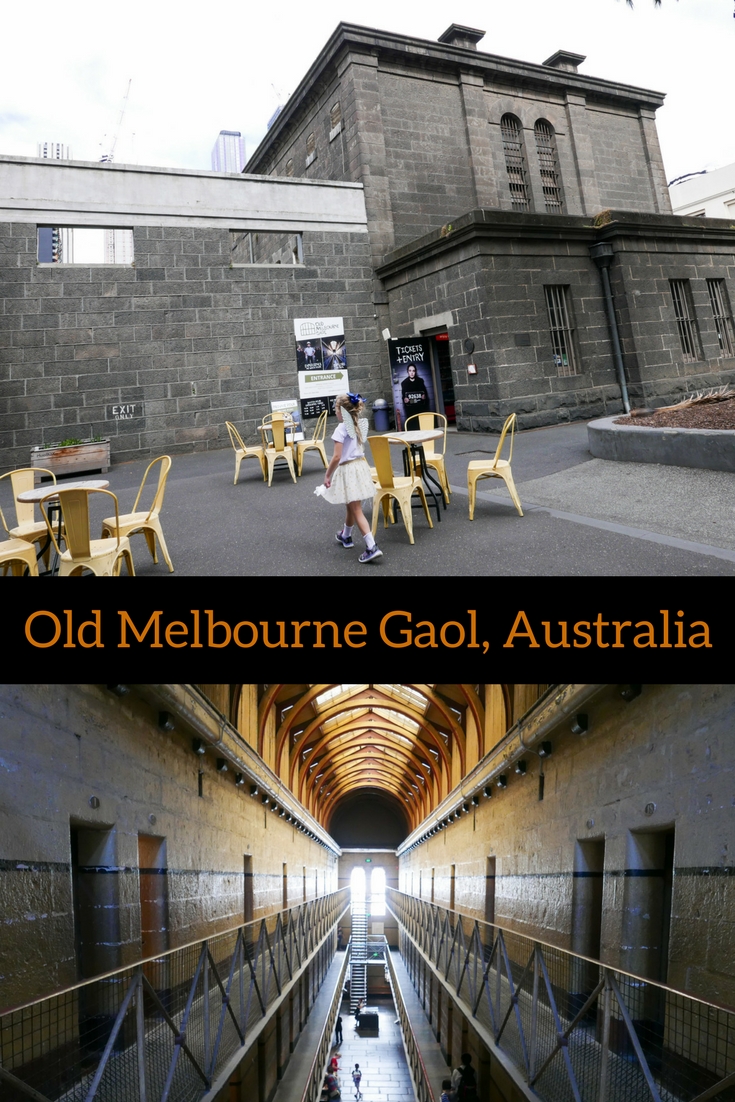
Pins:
x: 28, y: 526
x: 17, y: 555
x: 245, y: 451
x: 266, y: 427
x: 102, y: 557
x: 495, y: 468
x: 278, y: 448
x: 433, y: 453
x: 149, y: 522
x: 392, y: 487
x: 316, y: 443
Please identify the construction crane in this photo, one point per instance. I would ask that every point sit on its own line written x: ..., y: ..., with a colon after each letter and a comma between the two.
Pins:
x: 108, y: 158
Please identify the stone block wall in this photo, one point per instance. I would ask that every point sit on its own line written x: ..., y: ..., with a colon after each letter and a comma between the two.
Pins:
x: 489, y: 270
x: 426, y: 155
x: 61, y: 749
x: 650, y: 339
x: 183, y: 333
x: 662, y: 762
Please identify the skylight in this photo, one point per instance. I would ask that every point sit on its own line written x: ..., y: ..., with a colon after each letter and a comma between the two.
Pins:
x: 330, y: 695
x: 398, y: 719
x: 408, y: 694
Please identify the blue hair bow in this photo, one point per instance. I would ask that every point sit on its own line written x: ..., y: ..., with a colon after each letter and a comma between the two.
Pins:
x: 355, y: 398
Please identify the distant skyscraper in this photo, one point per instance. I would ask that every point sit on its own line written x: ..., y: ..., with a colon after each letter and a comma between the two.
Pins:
x: 118, y: 246
x: 54, y: 151
x: 228, y: 154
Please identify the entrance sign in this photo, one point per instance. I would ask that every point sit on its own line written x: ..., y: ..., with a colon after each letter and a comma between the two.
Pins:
x: 321, y: 360
x: 318, y: 389
x: 411, y: 377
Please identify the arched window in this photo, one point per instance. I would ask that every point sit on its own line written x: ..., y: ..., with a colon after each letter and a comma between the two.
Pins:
x: 377, y: 892
x: 310, y: 144
x: 515, y: 162
x: 548, y: 163
x: 289, y: 167
x: 357, y: 887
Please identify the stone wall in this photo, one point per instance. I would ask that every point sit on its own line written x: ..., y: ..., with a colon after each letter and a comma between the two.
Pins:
x: 488, y: 272
x: 644, y: 265
x: 661, y: 763
x: 189, y: 339
x: 421, y: 131
x: 62, y: 749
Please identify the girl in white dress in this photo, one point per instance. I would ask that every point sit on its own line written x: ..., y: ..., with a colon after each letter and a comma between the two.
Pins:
x: 347, y: 478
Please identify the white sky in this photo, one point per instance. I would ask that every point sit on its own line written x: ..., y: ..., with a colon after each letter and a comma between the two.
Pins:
x: 200, y: 69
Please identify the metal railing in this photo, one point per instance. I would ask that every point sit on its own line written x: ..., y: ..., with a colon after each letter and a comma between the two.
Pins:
x: 573, y: 1029
x: 419, y: 1075
x: 313, y: 1088
x: 164, y: 1030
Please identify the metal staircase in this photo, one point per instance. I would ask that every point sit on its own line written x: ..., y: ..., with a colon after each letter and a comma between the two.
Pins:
x: 358, y: 954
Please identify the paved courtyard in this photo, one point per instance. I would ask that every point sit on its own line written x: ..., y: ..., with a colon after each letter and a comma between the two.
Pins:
x: 583, y: 517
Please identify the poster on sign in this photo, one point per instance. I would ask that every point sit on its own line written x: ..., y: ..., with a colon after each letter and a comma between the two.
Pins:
x: 411, y: 377
x: 321, y: 362
x: 290, y: 407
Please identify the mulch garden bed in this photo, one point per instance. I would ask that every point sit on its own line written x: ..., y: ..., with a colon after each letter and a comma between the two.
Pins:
x: 700, y: 415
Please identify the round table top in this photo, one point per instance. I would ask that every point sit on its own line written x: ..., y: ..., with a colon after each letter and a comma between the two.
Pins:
x: 31, y: 496
x: 415, y: 436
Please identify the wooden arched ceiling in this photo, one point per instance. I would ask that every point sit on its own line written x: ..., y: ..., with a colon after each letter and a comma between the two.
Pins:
x: 412, y: 741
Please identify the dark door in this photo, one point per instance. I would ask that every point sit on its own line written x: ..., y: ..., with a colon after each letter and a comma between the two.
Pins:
x: 443, y: 381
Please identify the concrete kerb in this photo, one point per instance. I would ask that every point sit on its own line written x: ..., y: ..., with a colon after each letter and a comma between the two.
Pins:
x: 711, y: 449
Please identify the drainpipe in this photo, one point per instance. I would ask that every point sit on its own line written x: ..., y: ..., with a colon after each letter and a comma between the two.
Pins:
x: 603, y: 256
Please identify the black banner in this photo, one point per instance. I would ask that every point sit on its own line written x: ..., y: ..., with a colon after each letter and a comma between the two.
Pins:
x: 202, y: 631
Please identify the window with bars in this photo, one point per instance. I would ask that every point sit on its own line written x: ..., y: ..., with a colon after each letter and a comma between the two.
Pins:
x: 515, y: 162
x: 548, y: 164
x: 722, y: 314
x: 684, y: 311
x: 562, y: 333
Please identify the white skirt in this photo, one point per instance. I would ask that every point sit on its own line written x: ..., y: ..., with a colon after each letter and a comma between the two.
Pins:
x: 352, y: 481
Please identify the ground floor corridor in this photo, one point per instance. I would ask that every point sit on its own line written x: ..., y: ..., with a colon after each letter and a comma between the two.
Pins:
x: 382, y: 1060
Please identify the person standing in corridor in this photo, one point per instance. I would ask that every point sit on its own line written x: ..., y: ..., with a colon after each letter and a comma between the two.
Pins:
x: 356, y: 1079
x: 338, y: 1031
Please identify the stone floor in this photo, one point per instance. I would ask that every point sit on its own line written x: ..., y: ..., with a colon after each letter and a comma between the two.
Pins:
x: 385, y: 1075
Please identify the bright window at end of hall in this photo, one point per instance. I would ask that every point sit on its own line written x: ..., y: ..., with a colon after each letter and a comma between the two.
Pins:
x: 357, y: 886
x: 85, y: 245
x: 377, y: 892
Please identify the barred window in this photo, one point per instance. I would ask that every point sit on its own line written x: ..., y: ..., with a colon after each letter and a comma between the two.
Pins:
x: 685, y: 322
x: 310, y: 144
x: 562, y: 334
x: 335, y: 115
x: 548, y: 163
x: 722, y: 314
x: 515, y: 162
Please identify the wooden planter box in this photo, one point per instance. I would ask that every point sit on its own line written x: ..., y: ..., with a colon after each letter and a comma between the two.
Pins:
x: 74, y: 458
